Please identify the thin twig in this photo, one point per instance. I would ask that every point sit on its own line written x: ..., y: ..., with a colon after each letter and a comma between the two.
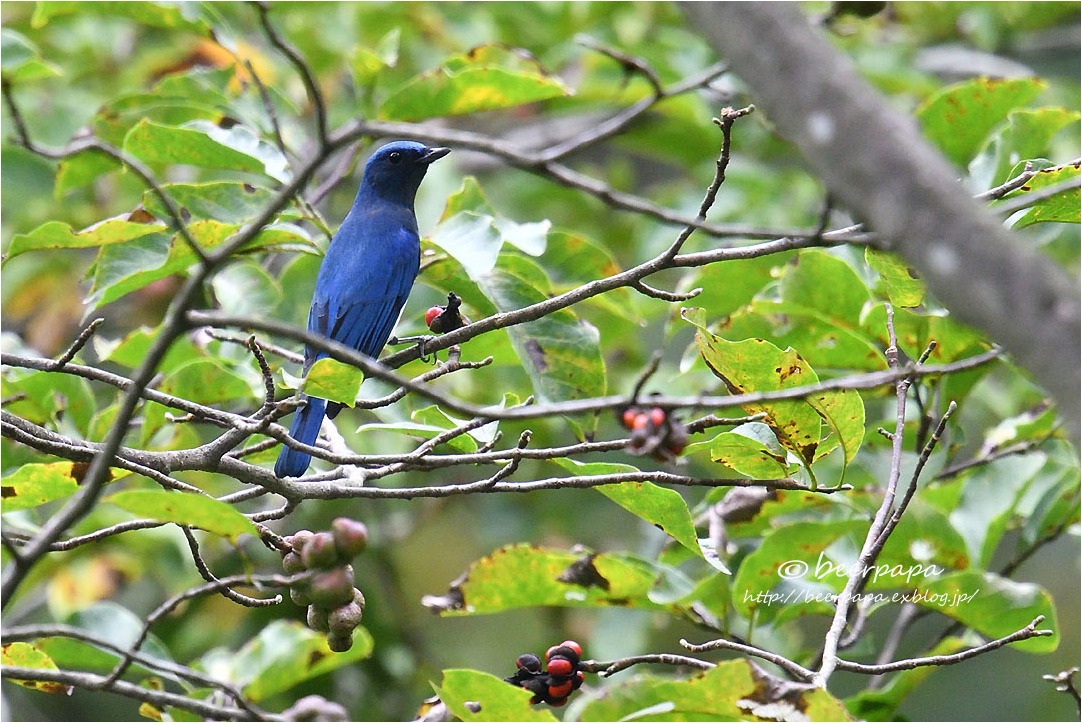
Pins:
x: 871, y: 547
x: 157, y: 698
x: 315, y: 95
x: 795, y: 669
x: 1030, y: 631
x: 35, y: 632
x: 78, y: 344
x: 728, y: 116
x: 605, y: 669
x: 171, y: 604
x: 206, y: 574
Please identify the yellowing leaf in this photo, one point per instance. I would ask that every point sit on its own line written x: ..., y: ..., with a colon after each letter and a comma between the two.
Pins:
x: 334, y: 381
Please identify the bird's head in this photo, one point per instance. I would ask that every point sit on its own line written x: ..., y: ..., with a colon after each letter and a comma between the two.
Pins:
x: 395, y: 170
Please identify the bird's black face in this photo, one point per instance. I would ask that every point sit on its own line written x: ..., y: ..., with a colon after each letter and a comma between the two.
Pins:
x: 397, y: 168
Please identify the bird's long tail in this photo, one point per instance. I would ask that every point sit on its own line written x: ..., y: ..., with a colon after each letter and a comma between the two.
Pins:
x: 305, y: 428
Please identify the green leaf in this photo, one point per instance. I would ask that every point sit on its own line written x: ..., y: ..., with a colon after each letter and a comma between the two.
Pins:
x: 791, y: 558
x: 751, y: 450
x: 106, y: 620
x: 573, y: 260
x: 492, y: 698
x: 1050, y: 503
x: 51, y: 399
x: 489, y: 77
x: 994, y: 606
x: 733, y: 690
x: 59, y: 235
x: 224, y: 201
x: 184, y: 508
x: 821, y: 282
x: 159, y: 144
x: 20, y: 59
x: 727, y: 287
x: 472, y: 239
x: 924, y: 538
x: 151, y: 14
x: 1026, y: 135
x: 843, y: 411
x: 82, y: 171
x: 662, y: 507
x: 71, y: 653
x: 560, y: 352
x: 959, y: 118
x: 205, y: 381
x: 520, y: 576
x: 35, y: 484
x: 334, y: 381
x: 245, y: 288
x: 915, y: 331
x: 899, y: 282
x: 988, y: 501
x: 779, y: 505
x: 285, y: 654
x: 120, y: 270
x: 133, y: 348
x: 815, y: 308
x: 1061, y: 207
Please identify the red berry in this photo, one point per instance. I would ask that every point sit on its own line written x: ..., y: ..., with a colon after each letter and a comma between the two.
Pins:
x: 641, y: 420
x: 657, y: 416
x: 431, y: 315
x: 561, y: 690
x: 574, y: 646
x: 560, y: 666
x: 629, y: 417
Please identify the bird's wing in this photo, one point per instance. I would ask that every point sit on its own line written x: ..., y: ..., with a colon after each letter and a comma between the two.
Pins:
x: 358, y: 302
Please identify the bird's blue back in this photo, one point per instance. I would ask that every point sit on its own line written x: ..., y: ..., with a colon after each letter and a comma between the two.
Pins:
x: 366, y: 275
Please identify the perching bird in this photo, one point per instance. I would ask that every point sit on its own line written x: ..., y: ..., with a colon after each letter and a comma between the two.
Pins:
x: 366, y: 275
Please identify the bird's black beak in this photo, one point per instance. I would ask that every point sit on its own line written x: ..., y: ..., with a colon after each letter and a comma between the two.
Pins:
x: 433, y: 154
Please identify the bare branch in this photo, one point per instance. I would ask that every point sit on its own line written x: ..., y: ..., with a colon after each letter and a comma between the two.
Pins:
x: 1030, y: 631
x: 796, y: 670
x: 605, y: 669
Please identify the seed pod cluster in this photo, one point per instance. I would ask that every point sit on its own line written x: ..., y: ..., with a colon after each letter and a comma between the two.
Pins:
x: 654, y: 432
x: 555, y: 683
x: 335, y: 606
x: 444, y: 319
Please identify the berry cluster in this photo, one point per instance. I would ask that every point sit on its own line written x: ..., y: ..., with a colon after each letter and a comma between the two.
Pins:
x: 555, y: 684
x: 444, y: 319
x: 335, y: 606
x: 654, y: 432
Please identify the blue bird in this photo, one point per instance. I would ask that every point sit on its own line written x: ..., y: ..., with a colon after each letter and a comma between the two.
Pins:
x: 366, y: 275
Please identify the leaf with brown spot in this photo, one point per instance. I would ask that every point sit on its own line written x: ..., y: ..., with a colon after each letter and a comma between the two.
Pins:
x: 518, y: 576
x: 25, y: 655
x: 583, y: 573
x: 35, y: 484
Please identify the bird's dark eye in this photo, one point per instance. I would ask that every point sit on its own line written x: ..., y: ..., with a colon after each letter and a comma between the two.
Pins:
x: 395, y: 157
